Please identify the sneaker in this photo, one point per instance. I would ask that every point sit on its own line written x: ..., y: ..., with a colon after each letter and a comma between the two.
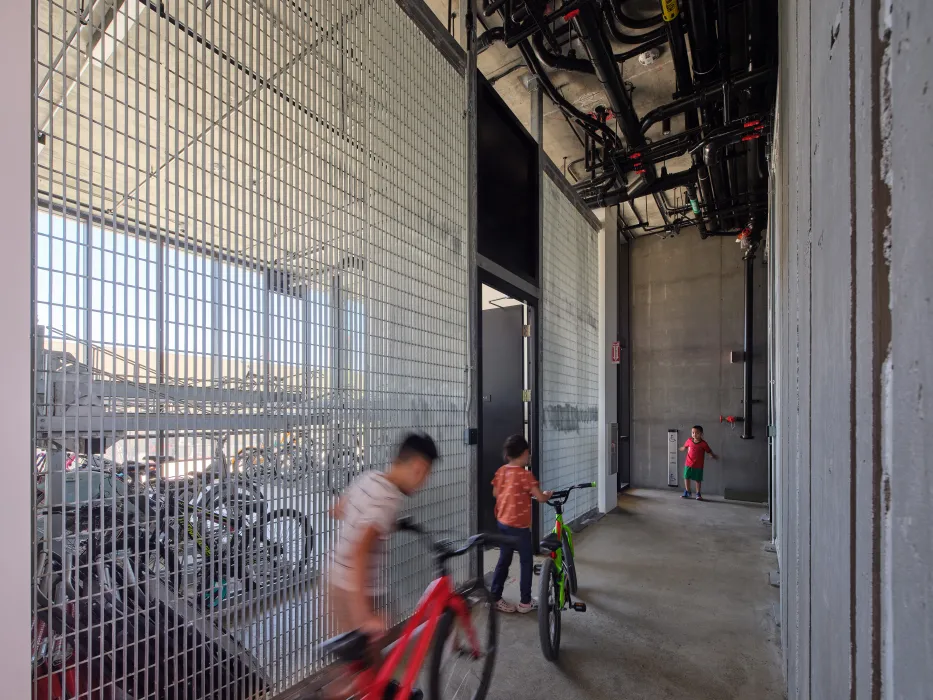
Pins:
x: 699, y: 496
x: 505, y: 606
x: 686, y: 494
x: 525, y: 608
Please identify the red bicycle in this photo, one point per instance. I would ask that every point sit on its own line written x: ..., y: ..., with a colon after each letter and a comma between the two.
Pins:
x: 460, y: 623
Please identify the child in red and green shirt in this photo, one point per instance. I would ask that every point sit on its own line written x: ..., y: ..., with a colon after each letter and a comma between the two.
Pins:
x: 696, y: 448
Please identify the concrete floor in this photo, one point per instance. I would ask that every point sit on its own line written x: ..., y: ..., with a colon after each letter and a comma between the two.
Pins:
x: 679, y: 607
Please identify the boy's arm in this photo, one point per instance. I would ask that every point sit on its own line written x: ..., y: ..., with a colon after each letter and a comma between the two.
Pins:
x: 537, y: 493
x: 711, y: 453
x: 361, y: 611
x: 337, y: 511
x: 683, y: 448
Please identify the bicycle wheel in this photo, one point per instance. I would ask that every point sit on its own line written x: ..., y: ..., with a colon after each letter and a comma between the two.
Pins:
x: 569, y: 563
x: 278, y: 547
x: 549, y: 611
x: 455, y: 672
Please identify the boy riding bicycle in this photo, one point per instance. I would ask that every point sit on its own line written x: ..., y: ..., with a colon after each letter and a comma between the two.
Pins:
x: 368, y: 512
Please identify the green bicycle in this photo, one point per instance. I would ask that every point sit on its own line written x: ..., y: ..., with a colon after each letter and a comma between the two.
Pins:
x: 558, y: 576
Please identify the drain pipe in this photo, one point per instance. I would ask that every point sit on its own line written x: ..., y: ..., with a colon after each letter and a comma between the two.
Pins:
x: 748, y: 344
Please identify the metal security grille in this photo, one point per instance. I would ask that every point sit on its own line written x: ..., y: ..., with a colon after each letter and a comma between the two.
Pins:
x: 569, y: 371
x: 250, y: 278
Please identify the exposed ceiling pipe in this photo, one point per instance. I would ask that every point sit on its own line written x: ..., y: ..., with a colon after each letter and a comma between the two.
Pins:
x: 557, y: 61
x: 488, y: 38
x: 660, y: 184
x: 702, y: 41
x: 656, y: 42
x: 674, y: 26
x: 589, y: 28
x: 624, y: 38
x: 587, y: 122
x: 631, y: 22
x: 711, y: 93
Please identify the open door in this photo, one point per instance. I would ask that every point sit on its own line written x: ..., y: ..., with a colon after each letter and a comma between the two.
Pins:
x: 502, y: 385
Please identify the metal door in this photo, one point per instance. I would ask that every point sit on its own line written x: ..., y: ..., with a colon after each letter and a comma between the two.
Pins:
x: 501, y: 384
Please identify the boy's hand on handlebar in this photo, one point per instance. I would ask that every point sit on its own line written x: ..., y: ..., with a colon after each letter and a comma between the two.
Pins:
x: 373, y: 627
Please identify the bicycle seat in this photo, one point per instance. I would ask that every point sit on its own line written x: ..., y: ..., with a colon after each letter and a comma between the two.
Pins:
x: 550, y: 543
x: 347, y: 647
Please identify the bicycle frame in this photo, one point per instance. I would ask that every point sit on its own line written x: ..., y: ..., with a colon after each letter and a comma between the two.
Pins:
x: 558, y: 556
x: 372, y: 684
x: 560, y: 529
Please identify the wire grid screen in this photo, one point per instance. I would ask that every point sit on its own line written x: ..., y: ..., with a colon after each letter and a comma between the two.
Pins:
x: 569, y: 371
x: 249, y: 281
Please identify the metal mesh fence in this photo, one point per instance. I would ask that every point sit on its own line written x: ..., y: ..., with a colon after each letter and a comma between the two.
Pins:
x: 250, y: 279
x: 569, y: 371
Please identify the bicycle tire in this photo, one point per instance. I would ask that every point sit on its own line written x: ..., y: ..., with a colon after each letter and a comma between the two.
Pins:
x: 258, y: 545
x: 569, y: 564
x: 447, y: 625
x: 548, y: 607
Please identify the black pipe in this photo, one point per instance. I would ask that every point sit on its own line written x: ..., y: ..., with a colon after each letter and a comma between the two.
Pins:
x: 709, y: 94
x: 590, y: 30
x: 695, y: 206
x: 631, y: 22
x: 624, y: 38
x: 505, y: 72
x: 585, y: 121
x: 660, y: 184
x: 712, y: 146
x: 654, y: 43
x: 702, y: 41
x: 557, y: 61
x: 542, y: 23
x: 722, y: 35
x: 488, y: 38
x: 684, y: 85
x: 747, y: 345
x: 706, y: 189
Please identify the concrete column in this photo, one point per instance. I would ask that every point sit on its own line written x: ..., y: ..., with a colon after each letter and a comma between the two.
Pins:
x: 608, y: 372
x: 17, y: 181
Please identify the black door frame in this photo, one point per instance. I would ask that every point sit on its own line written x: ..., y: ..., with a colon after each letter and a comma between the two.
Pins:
x: 531, y: 299
x: 624, y: 374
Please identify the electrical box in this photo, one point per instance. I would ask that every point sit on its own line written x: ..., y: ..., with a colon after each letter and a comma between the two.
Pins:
x: 672, y: 445
x: 737, y: 356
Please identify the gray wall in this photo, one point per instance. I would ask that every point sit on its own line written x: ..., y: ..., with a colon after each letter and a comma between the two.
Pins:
x: 687, y: 316
x: 853, y: 333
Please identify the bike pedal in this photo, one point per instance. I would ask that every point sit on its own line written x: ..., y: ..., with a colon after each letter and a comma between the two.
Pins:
x: 537, y: 569
x: 579, y: 607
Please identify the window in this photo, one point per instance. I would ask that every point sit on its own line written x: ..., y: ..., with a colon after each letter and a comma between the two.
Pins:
x: 61, y: 278
x: 188, y: 296
x: 124, y: 289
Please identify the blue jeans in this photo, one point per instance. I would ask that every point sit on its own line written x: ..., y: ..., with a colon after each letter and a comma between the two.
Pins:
x: 505, y: 561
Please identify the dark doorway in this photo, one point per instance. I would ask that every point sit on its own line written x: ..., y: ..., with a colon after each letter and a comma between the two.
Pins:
x: 503, y: 380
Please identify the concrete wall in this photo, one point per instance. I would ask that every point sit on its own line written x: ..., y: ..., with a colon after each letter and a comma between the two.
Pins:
x: 687, y: 316
x: 852, y: 334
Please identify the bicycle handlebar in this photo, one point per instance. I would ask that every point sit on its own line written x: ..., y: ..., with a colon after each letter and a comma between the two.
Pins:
x: 561, y: 495
x: 444, y: 549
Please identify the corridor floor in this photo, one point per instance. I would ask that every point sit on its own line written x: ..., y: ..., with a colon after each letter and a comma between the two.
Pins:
x: 679, y: 607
